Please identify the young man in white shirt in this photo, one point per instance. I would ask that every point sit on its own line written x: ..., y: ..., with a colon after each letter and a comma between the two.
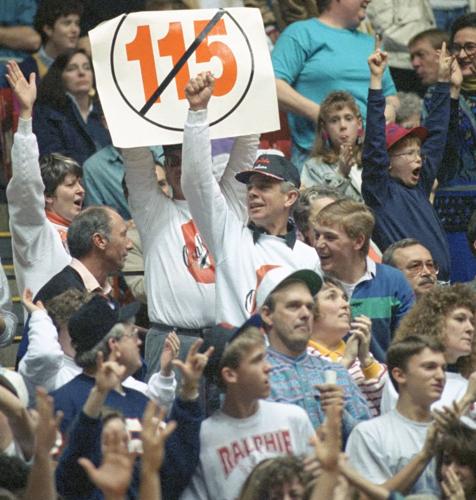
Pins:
x: 381, y: 448
x: 247, y: 429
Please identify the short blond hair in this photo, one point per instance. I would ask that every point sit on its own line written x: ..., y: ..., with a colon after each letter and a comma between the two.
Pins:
x: 354, y: 217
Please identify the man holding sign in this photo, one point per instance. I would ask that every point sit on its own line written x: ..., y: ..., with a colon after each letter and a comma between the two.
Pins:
x: 179, y: 269
x: 243, y: 252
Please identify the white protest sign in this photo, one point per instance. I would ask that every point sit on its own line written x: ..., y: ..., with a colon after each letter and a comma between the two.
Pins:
x: 143, y: 61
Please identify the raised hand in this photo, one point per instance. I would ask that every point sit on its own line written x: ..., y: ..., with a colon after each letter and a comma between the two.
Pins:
x: 456, y: 78
x: 199, y: 90
x: 378, y: 60
x: 25, y: 91
x: 154, y: 435
x: 47, y: 422
x: 108, y: 374
x: 114, y: 474
x: 328, y: 439
x: 192, y: 369
x: 27, y: 299
x: 170, y: 352
x: 444, y: 64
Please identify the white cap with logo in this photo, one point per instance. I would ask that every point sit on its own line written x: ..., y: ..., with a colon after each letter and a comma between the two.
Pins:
x: 273, y: 278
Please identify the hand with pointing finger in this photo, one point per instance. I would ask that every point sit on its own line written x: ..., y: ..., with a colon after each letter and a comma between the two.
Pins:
x: 444, y: 64
x: 378, y: 60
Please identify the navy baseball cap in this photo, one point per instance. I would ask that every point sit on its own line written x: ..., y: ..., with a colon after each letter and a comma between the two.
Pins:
x: 94, y: 320
x: 274, y: 166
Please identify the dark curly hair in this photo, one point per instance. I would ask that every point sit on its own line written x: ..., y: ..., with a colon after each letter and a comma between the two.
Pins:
x: 428, y: 315
x: 49, y: 11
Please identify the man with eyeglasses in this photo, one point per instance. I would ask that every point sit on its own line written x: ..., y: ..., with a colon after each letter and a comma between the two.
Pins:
x: 416, y: 263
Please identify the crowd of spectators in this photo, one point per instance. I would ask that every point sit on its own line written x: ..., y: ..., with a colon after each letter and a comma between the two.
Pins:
x: 216, y: 320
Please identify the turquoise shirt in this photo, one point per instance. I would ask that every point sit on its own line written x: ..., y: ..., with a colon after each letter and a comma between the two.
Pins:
x: 316, y: 59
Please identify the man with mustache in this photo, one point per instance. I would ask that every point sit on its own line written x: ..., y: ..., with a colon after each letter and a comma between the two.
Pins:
x: 416, y: 263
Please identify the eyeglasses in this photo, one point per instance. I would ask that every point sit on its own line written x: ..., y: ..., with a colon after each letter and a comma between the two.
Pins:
x: 132, y: 335
x: 418, y: 266
x: 469, y: 48
x: 411, y: 155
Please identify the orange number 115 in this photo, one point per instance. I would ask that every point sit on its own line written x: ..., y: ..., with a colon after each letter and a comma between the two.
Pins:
x: 173, y: 45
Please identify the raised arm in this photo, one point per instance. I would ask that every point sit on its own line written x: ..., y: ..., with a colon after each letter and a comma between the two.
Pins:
x: 25, y: 191
x: 8, y: 320
x: 206, y: 201
x: 451, y: 160
x: 41, y: 484
x: 437, y: 122
x: 154, y: 435
x: 146, y: 200
x: 375, y: 159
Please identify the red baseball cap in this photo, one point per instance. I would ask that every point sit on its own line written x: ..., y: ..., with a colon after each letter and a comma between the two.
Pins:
x: 395, y: 132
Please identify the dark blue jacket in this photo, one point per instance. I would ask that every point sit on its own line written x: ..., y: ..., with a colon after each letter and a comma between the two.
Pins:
x: 401, y: 211
x: 181, y: 456
x: 66, y: 132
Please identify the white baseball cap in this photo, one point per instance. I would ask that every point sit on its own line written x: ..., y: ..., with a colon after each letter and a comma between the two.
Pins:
x: 273, y: 278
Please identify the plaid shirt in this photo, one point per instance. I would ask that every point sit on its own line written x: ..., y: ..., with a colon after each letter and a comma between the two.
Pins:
x: 293, y: 380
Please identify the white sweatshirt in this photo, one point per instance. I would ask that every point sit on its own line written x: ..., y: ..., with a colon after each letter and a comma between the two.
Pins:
x: 179, y: 270
x: 240, y: 263
x: 38, y: 252
x: 231, y: 447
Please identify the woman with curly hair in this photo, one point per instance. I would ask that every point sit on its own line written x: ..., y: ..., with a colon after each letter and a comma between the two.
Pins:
x: 447, y: 313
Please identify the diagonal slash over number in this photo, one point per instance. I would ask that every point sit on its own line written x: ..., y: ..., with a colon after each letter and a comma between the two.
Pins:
x: 181, y: 62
